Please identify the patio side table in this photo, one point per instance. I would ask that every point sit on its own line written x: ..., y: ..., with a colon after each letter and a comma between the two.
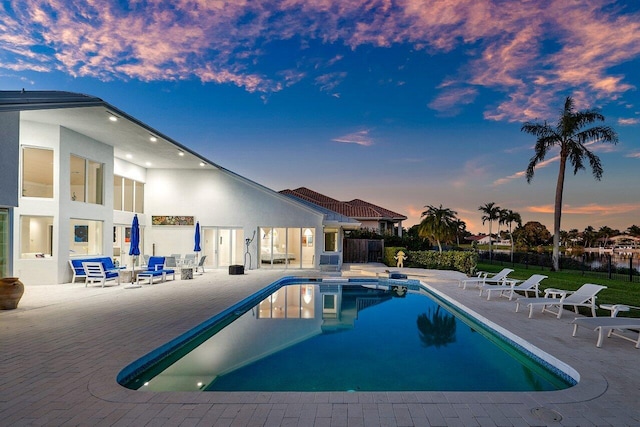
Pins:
x: 186, y: 273
x: 126, y: 276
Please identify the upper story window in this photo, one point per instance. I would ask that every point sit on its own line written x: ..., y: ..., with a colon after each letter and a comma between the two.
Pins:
x: 37, y: 172
x: 128, y: 195
x: 87, y: 180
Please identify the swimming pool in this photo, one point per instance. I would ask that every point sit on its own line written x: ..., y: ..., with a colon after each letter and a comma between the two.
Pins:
x: 345, y: 335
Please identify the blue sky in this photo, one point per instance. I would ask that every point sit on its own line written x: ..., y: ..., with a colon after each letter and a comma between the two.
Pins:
x: 400, y: 103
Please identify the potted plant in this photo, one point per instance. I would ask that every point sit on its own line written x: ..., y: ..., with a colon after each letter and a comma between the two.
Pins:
x: 11, y: 290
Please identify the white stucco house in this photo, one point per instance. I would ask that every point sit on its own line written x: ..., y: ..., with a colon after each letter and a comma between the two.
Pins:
x: 74, y: 171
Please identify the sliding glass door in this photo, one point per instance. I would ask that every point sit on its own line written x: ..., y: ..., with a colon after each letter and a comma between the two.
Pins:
x: 223, y: 246
x: 287, y: 247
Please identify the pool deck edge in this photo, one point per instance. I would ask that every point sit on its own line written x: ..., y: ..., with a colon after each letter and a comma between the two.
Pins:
x: 64, y: 347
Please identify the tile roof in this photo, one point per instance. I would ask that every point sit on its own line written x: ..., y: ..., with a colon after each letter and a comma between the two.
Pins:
x: 358, y: 209
x: 330, y: 215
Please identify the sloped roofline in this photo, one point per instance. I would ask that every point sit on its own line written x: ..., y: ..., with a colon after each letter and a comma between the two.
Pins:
x: 44, y: 100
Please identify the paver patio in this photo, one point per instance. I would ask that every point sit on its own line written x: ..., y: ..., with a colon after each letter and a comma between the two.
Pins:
x: 62, y: 348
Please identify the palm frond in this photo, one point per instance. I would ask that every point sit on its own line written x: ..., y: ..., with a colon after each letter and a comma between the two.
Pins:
x: 596, y: 166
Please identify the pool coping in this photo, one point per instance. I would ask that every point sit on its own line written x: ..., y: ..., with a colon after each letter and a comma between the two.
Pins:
x: 65, y: 344
x: 105, y: 384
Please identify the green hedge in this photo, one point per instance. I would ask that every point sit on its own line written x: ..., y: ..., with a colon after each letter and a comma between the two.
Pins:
x: 463, y: 261
x: 390, y: 252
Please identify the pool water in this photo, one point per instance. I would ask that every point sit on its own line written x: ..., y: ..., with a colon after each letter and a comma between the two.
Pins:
x: 344, y: 336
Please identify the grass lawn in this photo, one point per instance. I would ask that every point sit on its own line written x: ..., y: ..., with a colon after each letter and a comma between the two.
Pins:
x: 617, y: 292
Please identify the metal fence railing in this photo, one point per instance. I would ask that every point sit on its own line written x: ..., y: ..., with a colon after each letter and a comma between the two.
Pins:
x: 625, y: 267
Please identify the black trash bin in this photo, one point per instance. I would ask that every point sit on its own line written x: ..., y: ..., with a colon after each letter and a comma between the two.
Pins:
x: 236, y: 269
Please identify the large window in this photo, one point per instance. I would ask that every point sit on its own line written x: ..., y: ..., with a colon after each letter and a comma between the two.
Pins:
x: 86, y: 237
x: 87, y: 180
x: 117, y: 193
x: 283, y: 247
x: 138, y: 197
x: 37, y: 172
x: 36, y: 236
x: 128, y: 195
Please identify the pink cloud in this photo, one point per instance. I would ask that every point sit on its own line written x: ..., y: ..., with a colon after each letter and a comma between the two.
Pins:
x: 360, y: 138
x: 328, y: 82
x: 590, y: 209
x: 451, y: 99
x: 222, y: 42
x: 522, y: 174
x: 628, y: 122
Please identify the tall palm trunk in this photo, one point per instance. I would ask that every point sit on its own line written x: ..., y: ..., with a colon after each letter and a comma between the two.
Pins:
x: 557, y: 213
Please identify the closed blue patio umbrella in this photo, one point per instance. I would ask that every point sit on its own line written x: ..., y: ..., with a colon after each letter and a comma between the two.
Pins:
x: 196, y: 247
x: 134, y: 249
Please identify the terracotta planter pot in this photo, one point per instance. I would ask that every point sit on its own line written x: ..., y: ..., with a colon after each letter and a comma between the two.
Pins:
x: 11, y: 290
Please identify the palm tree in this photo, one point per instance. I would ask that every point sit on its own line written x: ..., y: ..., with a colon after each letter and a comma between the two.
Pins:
x: 634, y: 230
x: 508, y: 217
x: 439, y: 223
x: 460, y: 228
x: 605, y: 232
x: 564, y: 237
x: 573, y: 235
x: 572, y: 141
x: 491, y: 213
x: 588, y: 236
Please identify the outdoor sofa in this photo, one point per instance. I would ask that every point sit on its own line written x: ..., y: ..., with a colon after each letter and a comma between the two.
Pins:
x: 78, y: 268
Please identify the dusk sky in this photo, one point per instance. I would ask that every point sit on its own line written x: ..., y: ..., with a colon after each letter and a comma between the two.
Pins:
x: 401, y: 103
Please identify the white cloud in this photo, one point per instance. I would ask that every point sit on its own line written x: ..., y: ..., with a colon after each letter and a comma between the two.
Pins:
x: 360, y: 138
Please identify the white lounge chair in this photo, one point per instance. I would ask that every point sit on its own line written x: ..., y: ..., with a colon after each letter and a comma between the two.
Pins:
x: 511, y: 286
x: 585, y: 296
x: 478, y: 278
x: 610, y: 324
x: 497, y: 278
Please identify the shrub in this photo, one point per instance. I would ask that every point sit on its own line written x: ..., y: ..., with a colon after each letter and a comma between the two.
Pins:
x: 463, y: 261
x: 390, y: 252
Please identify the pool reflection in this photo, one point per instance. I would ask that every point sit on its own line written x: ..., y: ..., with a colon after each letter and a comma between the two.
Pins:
x: 436, y: 328
x: 330, y: 336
